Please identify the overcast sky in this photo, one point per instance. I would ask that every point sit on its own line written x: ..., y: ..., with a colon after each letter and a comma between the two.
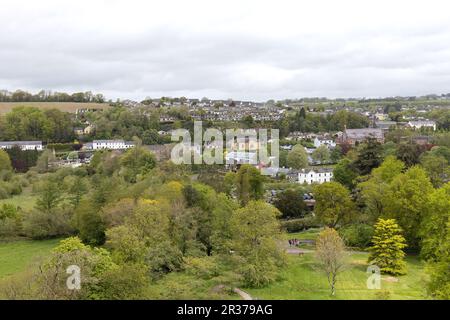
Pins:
x: 254, y: 50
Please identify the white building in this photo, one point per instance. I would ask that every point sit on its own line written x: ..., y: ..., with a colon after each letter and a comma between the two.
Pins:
x: 324, y: 142
x: 111, y: 144
x: 314, y: 176
x: 422, y: 124
x: 23, y: 145
x: 241, y: 157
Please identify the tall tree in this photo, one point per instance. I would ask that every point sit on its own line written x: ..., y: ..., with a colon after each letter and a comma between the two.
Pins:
x: 387, y: 250
x: 330, y: 253
x: 297, y: 157
x: 334, y: 206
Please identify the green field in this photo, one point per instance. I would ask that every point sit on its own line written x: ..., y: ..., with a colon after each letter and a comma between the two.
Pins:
x: 25, y: 201
x: 17, y: 255
x: 302, y: 280
x: 6, y: 107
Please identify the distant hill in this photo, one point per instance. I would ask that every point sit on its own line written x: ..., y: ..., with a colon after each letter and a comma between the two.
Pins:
x: 63, y: 106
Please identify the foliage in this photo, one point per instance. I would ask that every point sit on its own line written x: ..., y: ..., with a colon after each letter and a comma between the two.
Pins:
x: 249, y: 184
x: 297, y: 157
x: 330, y: 253
x: 357, y: 235
x: 255, y: 232
x: 291, y: 204
x: 387, y: 250
x: 334, y: 206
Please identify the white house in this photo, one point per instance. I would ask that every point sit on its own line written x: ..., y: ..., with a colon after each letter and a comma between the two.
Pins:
x: 241, y: 157
x: 314, y: 176
x: 111, y: 144
x: 422, y: 124
x: 324, y: 142
x: 23, y: 145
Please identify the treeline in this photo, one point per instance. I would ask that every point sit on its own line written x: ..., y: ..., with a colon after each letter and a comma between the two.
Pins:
x: 49, y: 96
x: 30, y: 123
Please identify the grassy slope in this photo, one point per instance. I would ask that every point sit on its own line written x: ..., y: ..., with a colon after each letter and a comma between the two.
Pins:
x: 63, y: 106
x: 25, y: 201
x: 17, y: 255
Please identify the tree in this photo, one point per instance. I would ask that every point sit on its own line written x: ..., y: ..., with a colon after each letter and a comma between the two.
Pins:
x: 256, y: 231
x: 336, y: 154
x: 50, y: 197
x: 297, y: 158
x: 5, y: 161
x: 434, y: 230
x: 321, y: 154
x: 344, y: 173
x: 45, y: 161
x: 407, y: 200
x: 89, y: 223
x: 77, y: 190
x: 330, y: 253
x: 372, y: 191
x: 291, y: 204
x: 334, y: 205
x: 437, y: 167
x: 409, y: 153
x: 369, y: 156
x: 249, y: 184
x: 137, y: 161
x: 439, y: 284
x: 387, y: 250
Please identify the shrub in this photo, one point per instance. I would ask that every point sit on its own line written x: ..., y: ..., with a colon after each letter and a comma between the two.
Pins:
x: 42, y: 225
x: 204, y: 268
x: 296, y: 225
x: 357, y: 235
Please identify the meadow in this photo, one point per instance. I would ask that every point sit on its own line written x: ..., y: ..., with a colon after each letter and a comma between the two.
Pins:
x: 16, y: 256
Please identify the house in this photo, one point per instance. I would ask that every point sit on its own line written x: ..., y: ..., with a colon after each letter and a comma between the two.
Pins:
x: 422, y: 124
x: 313, y: 175
x: 88, y: 129
x: 239, y: 157
x: 111, y: 144
x: 78, y: 131
x: 385, y: 125
x: 324, y: 142
x: 23, y: 145
x: 353, y: 136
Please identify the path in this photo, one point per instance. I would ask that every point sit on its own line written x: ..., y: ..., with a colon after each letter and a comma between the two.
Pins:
x: 244, y: 295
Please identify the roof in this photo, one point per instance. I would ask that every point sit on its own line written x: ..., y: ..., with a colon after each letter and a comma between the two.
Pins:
x: 364, y: 133
x: 15, y: 143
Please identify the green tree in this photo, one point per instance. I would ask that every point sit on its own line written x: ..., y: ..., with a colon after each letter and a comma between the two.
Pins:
x: 334, y: 206
x: 370, y: 156
x: 321, y: 154
x: 330, y: 253
x: 437, y: 167
x: 77, y: 190
x: 256, y: 232
x: 344, y: 173
x: 291, y: 204
x: 297, y: 158
x: 387, y: 250
x: 5, y: 161
x: 50, y: 197
x: 407, y: 200
x: 434, y: 230
x: 137, y: 161
x: 89, y: 223
x: 249, y: 184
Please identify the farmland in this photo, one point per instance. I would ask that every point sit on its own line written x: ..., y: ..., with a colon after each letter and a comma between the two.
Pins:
x: 6, y: 107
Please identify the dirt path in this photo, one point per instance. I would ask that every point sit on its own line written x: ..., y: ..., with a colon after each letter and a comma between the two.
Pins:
x: 244, y: 295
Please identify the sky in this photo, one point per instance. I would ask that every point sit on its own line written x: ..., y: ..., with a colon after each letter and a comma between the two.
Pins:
x: 245, y: 50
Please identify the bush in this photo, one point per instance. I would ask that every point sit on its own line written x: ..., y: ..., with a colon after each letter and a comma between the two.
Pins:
x: 357, y: 235
x: 296, y: 225
x: 42, y: 225
x: 204, y: 268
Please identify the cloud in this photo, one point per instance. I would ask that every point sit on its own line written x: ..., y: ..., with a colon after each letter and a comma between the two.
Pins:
x: 240, y: 49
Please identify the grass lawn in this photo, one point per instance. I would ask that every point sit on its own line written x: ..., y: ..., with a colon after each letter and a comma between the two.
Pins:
x: 310, y: 234
x: 25, y: 200
x: 15, y: 256
x: 301, y: 280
